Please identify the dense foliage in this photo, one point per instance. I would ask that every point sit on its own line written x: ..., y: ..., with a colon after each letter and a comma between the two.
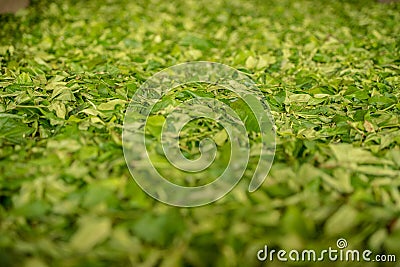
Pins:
x: 329, y: 71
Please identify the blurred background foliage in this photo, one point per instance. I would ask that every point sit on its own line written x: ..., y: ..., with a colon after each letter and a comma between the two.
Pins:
x: 329, y: 70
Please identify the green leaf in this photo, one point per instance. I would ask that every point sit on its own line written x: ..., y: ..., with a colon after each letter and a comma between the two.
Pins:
x: 246, y: 114
x: 159, y: 229
x: 196, y: 42
x: 13, y: 130
x: 154, y: 125
x: 34, y: 209
x: 294, y: 222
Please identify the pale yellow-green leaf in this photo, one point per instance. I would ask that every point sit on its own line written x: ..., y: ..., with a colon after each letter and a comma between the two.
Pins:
x: 59, y: 108
x: 110, y: 105
x: 92, y: 231
x: 220, y: 137
x: 91, y: 111
x: 265, y: 61
x: 251, y: 62
x: 345, y: 218
x: 346, y: 153
x: 368, y: 126
x: 34, y: 262
x: 70, y: 145
x: 377, y: 171
x: 61, y: 92
x: 298, y: 98
x: 377, y: 239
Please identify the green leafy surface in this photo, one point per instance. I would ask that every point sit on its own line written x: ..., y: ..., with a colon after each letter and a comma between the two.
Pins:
x: 328, y: 69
